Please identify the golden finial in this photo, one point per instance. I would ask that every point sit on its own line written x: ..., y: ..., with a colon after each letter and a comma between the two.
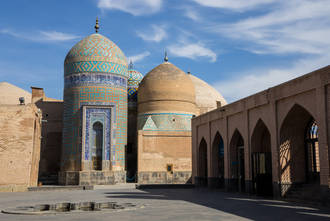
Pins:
x: 97, y: 27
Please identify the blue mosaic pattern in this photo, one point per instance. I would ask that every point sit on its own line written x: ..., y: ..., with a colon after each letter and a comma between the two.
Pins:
x: 95, y: 71
x: 95, y: 66
x: 74, y: 98
x: 96, y: 47
x: 132, y: 94
x: 134, y: 78
x: 102, y: 115
x: 99, y: 79
x: 165, y: 122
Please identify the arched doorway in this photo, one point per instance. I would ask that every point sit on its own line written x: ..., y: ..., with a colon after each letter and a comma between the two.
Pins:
x: 299, y: 155
x: 237, y: 168
x: 261, y: 158
x: 202, y: 163
x: 97, y: 145
x: 312, y: 153
x: 217, y: 163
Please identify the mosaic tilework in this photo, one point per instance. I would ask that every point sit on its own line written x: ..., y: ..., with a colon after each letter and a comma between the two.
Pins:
x: 132, y: 94
x: 102, y: 115
x: 165, y: 122
x: 74, y: 98
x: 134, y: 78
x: 96, y: 47
x: 99, y: 79
x: 95, y: 66
x: 149, y: 124
x: 95, y: 72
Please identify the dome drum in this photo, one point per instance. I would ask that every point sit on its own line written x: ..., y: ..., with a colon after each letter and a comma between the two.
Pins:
x: 166, y: 100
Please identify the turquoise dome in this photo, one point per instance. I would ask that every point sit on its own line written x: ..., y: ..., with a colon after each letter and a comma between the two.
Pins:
x: 96, y: 53
x: 134, y: 78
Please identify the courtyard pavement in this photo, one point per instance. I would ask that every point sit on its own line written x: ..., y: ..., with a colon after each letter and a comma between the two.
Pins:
x: 163, y: 204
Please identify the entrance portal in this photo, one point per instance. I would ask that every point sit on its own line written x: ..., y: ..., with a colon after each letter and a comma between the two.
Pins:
x: 202, y: 170
x: 262, y: 183
x: 312, y: 153
x: 218, y: 165
x: 299, y: 149
x: 237, y: 168
x: 97, y: 145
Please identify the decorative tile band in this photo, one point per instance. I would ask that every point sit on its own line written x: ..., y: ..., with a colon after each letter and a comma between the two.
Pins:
x: 165, y: 122
x: 102, y: 115
x: 95, y: 66
x: 94, y: 79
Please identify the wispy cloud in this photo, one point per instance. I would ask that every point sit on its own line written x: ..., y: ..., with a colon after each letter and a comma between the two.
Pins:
x: 57, y: 36
x: 41, y: 36
x: 156, y: 34
x: 253, y: 81
x: 192, y: 51
x: 138, y: 57
x: 298, y: 28
x: 239, y: 5
x: 135, y: 7
x: 291, y: 27
x: 192, y: 13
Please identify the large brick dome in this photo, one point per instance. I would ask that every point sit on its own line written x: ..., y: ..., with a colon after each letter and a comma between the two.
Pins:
x: 166, y: 88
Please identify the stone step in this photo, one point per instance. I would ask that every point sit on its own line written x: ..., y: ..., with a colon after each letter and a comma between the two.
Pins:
x: 59, y: 188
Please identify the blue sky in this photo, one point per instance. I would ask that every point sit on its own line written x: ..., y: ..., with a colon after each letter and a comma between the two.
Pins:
x: 238, y: 46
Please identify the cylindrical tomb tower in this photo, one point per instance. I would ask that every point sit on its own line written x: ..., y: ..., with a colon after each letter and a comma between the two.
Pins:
x: 95, y: 113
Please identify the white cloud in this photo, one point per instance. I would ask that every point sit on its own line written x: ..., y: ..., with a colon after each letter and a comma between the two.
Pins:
x: 240, y: 5
x: 134, y: 7
x: 56, y: 36
x: 296, y: 27
x: 41, y: 36
x: 192, y: 51
x: 139, y: 57
x: 192, y: 14
x: 157, y: 34
x: 251, y: 82
x: 291, y: 27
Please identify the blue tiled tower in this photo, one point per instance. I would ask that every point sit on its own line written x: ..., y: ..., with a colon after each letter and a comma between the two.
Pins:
x: 95, y: 113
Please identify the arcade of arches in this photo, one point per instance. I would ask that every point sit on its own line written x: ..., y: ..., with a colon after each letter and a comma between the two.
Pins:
x: 270, y: 143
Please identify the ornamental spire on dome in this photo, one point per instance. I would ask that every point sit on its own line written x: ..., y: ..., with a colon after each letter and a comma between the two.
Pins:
x: 130, y: 66
x: 166, y: 58
x: 97, y: 27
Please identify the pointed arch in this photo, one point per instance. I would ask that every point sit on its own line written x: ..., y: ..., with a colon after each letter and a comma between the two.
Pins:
x: 293, y: 107
x: 261, y: 160
x: 237, y: 168
x: 295, y: 149
x: 202, y: 162
x: 97, y: 145
x: 217, y: 160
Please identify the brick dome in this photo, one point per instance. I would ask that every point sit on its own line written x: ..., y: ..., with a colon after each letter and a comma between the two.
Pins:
x: 166, y: 88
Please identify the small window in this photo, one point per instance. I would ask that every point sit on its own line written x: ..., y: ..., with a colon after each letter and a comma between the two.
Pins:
x: 169, y: 167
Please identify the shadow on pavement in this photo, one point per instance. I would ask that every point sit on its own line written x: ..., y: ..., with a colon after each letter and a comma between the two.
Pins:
x: 254, y: 208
